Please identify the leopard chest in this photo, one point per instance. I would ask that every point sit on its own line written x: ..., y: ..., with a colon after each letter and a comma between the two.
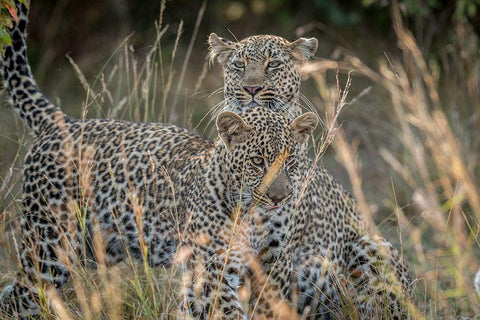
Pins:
x: 270, y: 231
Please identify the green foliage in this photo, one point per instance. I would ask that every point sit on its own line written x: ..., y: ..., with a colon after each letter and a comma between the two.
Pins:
x: 337, y: 14
x: 463, y: 8
x: 466, y: 8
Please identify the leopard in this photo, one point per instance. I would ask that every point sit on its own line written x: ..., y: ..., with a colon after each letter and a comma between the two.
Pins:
x: 248, y: 183
x: 338, y: 258
x: 77, y: 163
x: 144, y: 190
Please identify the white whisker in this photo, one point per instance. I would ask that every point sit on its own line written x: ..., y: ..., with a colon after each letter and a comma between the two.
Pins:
x: 280, y: 105
x: 212, y: 110
x: 216, y: 91
x: 309, y: 105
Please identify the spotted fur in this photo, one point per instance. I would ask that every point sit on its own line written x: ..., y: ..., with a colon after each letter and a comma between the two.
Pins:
x: 230, y: 234
x: 132, y: 187
x: 111, y: 172
x: 338, y: 259
x: 268, y: 76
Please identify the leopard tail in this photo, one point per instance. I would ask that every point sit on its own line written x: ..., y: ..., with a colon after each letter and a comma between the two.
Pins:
x: 28, y: 101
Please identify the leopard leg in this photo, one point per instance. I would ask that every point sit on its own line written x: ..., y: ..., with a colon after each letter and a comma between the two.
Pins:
x: 379, y: 278
x: 319, y: 287
x: 211, y: 291
x: 43, y: 259
x: 18, y: 299
x: 272, y: 289
x: 22, y: 297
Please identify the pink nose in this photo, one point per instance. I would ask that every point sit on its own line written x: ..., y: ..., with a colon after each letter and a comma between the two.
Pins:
x: 253, y: 90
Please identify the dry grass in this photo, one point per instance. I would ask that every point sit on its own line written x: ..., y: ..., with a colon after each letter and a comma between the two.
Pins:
x: 433, y: 157
x: 435, y: 162
x: 125, y: 89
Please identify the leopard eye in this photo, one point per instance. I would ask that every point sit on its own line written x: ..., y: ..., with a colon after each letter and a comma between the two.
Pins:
x: 257, y: 161
x: 239, y: 64
x: 274, y: 64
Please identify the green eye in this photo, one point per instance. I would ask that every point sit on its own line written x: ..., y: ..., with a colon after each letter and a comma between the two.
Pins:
x: 274, y: 64
x: 257, y: 161
x: 239, y: 64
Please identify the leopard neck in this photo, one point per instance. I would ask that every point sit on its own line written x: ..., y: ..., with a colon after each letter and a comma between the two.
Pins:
x: 215, y: 180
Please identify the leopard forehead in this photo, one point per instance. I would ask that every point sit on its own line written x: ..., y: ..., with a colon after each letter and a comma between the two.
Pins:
x: 271, y: 132
x: 261, y: 47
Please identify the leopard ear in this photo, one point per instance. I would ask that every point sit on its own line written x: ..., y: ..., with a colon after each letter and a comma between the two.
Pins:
x: 303, y: 49
x: 303, y: 126
x: 219, y: 48
x: 231, y: 128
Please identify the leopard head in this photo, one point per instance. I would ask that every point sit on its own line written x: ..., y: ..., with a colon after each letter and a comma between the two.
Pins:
x: 262, y: 70
x: 262, y: 152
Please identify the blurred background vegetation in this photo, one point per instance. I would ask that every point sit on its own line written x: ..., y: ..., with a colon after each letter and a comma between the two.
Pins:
x: 90, y: 32
x: 359, y: 35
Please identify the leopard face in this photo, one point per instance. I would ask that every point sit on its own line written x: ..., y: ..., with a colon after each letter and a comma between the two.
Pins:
x: 263, y: 149
x: 262, y: 70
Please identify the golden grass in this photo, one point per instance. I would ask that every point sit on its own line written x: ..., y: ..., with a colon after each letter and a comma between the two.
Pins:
x: 436, y: 119
x: 436, y: 113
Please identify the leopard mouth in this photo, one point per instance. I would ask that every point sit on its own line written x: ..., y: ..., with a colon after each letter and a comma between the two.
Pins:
x: 273, y: 104
x: 252, y: 104
x: 260, y: 101
x: 275, y: 207
x: 266, y: 203
x: 247, y: 101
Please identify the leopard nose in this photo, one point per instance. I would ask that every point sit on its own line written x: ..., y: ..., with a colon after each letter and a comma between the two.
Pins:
x: 276, y: 199
x: 253, y: 90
